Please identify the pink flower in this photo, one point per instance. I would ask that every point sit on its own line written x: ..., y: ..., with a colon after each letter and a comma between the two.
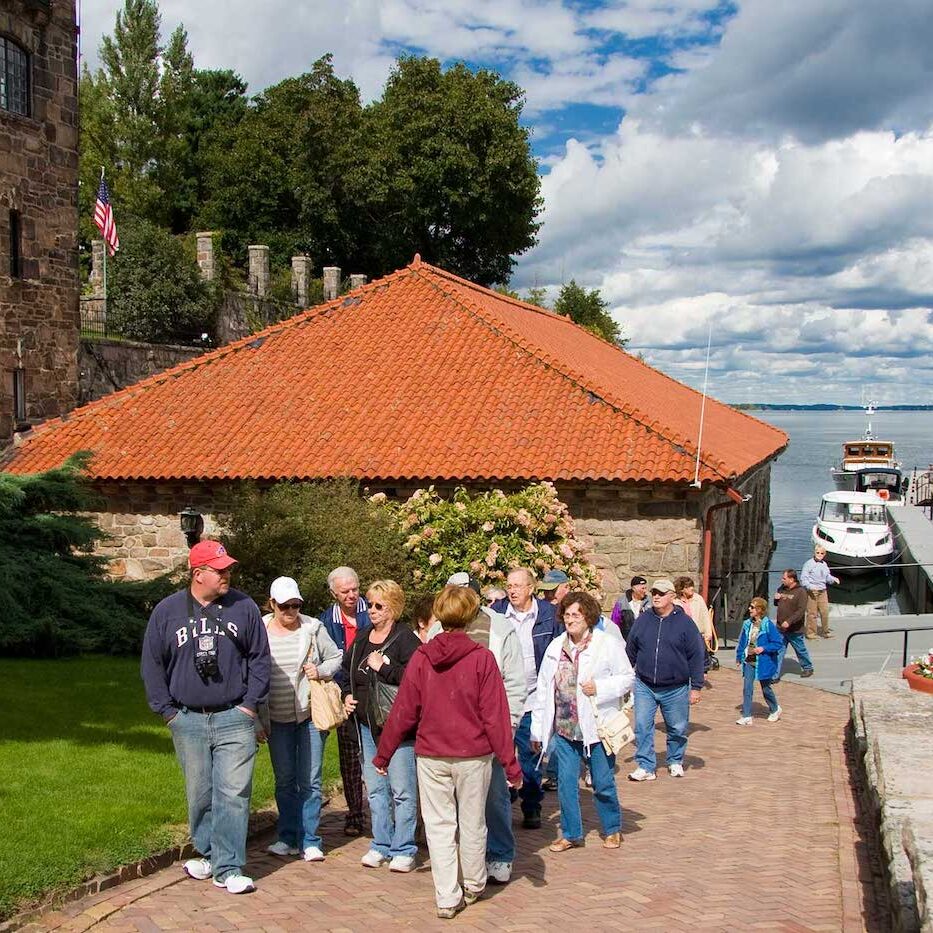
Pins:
x: 488, y: 526
x: 566, y: 550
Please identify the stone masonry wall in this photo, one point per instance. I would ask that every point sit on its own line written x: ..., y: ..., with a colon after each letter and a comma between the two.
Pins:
x: 39, y: 179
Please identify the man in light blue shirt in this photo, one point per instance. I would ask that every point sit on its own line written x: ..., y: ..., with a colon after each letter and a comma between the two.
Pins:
x: 815, y: 579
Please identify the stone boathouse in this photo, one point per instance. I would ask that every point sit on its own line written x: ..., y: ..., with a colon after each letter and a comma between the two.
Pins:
x: 422, y: 377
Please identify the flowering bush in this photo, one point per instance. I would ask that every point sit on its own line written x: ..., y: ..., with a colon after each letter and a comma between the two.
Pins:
x: 489, y: 534
x: 924, y: 664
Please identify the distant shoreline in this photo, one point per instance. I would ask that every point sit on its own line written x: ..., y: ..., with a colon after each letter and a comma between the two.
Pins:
x: 756, y: 406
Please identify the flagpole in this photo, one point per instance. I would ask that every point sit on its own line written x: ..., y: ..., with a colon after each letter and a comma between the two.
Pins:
x: 106, y: 245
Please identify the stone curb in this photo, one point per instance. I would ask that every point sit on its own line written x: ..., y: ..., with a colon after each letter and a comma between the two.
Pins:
x: 259, y: 822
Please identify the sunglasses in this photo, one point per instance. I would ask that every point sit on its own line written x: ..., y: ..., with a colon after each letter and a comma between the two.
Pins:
x: 288, y: 607
x: 379, y: 606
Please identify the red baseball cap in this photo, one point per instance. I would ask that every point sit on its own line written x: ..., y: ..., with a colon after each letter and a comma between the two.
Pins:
x: 210, y: 554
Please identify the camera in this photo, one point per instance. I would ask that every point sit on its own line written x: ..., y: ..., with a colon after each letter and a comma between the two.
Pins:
x: 205, y: 657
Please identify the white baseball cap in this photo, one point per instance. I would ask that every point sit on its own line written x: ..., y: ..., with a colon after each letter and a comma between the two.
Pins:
x: 284, y: 589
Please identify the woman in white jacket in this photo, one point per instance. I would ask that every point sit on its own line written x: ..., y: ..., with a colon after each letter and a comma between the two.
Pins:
x: 301, y: 650
x: 580, y: 670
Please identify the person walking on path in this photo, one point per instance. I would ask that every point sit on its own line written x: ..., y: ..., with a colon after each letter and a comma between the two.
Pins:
x: 756, y: 655
x: 630, y: 605
x: 301, y: 651
x: 791, y: 602
x: 454, y: 696
x: 815, y: 578
x: 667, y: 652
x: 344, y: 619
x: 535, y: 621
x: 583, y: 672
x: 205, y: 667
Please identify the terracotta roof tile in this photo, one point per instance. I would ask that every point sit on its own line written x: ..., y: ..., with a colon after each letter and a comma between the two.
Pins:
x: 419, y: 375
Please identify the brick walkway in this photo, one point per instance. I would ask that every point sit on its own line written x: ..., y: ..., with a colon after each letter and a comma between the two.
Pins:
x: 762, y: 833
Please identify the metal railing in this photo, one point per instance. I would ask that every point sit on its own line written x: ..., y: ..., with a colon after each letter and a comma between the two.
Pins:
x: 889, y: 631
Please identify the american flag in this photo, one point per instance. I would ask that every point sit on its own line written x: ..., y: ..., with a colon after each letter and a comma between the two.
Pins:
x: 103, y: 217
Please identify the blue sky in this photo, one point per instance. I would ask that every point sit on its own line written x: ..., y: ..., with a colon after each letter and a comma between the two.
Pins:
x: 761, y: 170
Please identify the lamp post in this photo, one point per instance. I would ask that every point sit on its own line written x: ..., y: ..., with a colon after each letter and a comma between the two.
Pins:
x: 192, y: 525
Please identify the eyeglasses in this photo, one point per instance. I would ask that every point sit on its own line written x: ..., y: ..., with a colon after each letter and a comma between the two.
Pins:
x: 379, y: 606
x: 289, y: 607
x: 220, y: 573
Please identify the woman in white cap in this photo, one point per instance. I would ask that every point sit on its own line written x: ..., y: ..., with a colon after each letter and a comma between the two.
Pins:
x: 301, y: 651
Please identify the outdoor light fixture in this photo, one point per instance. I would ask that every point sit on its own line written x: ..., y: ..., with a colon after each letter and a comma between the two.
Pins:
x: 192, y: 524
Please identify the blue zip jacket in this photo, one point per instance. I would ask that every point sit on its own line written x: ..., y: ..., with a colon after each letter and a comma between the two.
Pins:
x: 666, y: 651
x: 545, y: 629
x: 770, y: 639
x: 332, y: 622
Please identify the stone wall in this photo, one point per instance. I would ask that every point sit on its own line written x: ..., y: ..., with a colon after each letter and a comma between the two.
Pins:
x: 39, y: 180
x: 105, y: 366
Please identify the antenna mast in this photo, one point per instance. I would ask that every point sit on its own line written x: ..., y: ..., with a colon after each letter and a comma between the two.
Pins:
x: 696, y: 473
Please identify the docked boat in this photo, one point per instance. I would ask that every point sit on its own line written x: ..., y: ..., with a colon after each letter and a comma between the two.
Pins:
x: 888, y: 483
x: 867, y: 453
x: 853, y: 528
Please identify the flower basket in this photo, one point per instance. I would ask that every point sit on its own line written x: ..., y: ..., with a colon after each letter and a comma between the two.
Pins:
x: 916, y: 680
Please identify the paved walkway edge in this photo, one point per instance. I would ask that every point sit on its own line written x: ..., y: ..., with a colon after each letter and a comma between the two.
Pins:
x: 892, y: 726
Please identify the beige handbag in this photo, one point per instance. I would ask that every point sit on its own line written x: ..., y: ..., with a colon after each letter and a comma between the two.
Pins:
x: 326, y: 705
x: 615, y: 731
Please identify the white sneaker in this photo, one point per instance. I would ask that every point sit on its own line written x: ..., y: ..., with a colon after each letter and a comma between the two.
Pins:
x: 313, y: 854
x: 281, y: 849
x: 744, y: 721
x: 236, y: 884
x: 776, y: 715
x: 197, y: 868
x: 640, y: 774
x: 372, y: 859
x: 402, y: 863
x: 499, y: 872
x: 676, y: 770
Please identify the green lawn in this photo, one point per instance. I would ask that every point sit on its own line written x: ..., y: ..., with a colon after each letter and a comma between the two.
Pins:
x: 88, y: 777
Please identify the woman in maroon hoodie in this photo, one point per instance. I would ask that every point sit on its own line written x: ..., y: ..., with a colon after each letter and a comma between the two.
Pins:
x: 453, y: 695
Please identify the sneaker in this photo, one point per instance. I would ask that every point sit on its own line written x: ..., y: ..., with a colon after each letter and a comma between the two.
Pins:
x: 448, y: 913
x: 197, y: 868
x: 499, y: 872
x: 640, y: 774
x: 373, y: 859
x: 471, y: 897
x: 676, y: 770
x: 312, y: 854
x: 744, y: 721
x: 808, y: 673
x: 775, y: 716
x: 236, y: 884
x: 402, y: 863
x: 281, y: 849
x: 532, y: 820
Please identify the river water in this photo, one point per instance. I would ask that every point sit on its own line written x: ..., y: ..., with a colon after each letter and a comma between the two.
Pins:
x: 800, y: 477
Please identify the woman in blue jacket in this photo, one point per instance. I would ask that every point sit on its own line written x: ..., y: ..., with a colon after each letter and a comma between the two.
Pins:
x: 757, y: 654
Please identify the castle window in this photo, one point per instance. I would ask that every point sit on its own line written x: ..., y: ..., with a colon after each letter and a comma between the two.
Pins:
x: 14, y: 77
x: 19, y: 395
x: 16, y: 245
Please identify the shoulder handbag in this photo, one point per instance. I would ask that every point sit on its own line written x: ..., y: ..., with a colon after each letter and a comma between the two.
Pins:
x: 380, y: 696
x: 326, y: 705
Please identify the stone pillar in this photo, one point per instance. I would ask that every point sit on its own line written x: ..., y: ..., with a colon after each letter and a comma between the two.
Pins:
x: 301, y: 278
x: 331, y: 282
x: 97, y: 268
x: 258, y: 270
x: 205, y: 240
x: 356, y: 281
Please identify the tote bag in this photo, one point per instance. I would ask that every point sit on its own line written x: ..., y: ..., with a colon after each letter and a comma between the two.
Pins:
x: 326, y: 705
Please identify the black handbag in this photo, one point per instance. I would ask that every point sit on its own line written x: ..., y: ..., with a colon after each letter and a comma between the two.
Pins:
x: 379, y: 695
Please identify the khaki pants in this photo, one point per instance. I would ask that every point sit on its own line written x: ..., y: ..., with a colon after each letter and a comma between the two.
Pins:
x: 453, y: 797
x: 817, y: 602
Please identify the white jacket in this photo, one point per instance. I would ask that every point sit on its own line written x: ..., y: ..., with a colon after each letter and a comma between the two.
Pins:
x: 507, y: 650
x: 602, y: 662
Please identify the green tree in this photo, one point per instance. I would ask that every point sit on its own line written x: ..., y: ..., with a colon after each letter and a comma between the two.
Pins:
x: 537, y: 296
x: 451, y: 171
x: 589, y: 310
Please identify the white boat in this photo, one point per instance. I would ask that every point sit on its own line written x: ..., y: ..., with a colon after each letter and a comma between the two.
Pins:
x: 853, y: 528
x: 866, y: 453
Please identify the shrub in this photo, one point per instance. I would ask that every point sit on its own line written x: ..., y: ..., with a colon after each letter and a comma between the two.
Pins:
x: 489, y: 534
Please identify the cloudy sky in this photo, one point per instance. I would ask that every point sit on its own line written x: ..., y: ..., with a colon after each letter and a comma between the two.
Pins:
x: 761, y: 170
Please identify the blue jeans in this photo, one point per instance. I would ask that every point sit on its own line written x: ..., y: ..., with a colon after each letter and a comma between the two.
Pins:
x: 393, y: 799
x: 800, y: 647
x: 675, y: 708
x: 297, y: 753
x: 530, y: 794
x: 500, y: 840
x: 748, y: 688
x: 569, y: 756
x: 217, y: 753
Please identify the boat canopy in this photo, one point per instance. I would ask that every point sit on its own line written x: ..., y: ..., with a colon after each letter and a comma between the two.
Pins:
x: 857, y: 508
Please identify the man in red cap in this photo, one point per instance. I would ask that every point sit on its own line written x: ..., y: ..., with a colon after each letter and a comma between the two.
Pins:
x: 205, y: 665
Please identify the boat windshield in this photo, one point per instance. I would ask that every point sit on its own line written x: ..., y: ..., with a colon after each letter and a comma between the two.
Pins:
x: 855, y: 512
x: 874, y: 480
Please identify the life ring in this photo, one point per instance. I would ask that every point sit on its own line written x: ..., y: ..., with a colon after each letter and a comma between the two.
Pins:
x: 884, y: 494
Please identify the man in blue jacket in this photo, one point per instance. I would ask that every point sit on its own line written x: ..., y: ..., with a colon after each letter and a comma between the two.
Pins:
x: 205, y: 666
x: 535, y: 621
x: 667, y: 651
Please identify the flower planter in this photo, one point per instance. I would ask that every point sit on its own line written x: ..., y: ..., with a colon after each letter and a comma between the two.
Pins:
x: 917, y: 681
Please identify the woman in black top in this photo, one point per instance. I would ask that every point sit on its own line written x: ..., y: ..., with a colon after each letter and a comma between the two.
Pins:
x: 374, y: 665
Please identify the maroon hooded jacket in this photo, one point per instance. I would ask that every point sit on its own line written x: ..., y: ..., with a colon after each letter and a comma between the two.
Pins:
x: 453, y: 694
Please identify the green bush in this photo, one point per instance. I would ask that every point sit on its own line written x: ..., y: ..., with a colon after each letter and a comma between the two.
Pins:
x: 56, y: 599
x: 305, y: 530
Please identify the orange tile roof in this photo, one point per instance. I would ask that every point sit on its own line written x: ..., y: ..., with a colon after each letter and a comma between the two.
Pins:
x: 419, y: 375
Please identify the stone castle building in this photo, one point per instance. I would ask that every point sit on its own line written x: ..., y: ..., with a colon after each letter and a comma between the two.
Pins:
x: 38, y: 212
